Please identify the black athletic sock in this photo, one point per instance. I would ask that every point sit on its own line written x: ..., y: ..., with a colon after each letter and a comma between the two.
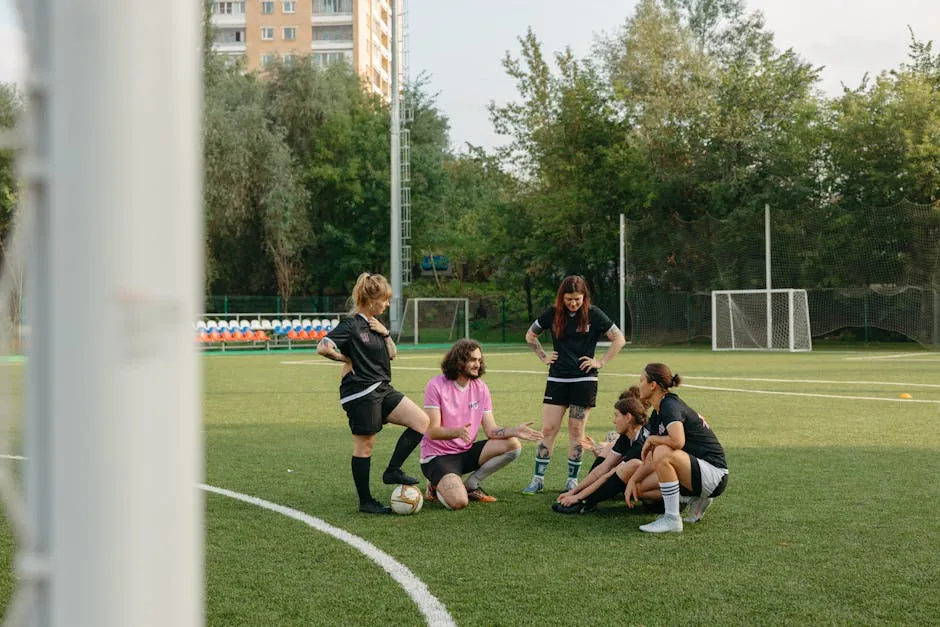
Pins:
x: 406, y: 444
x: 608, y: 490
x: 360, y: 473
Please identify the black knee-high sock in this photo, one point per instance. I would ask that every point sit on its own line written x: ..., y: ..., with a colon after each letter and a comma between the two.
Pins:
x: 608, y: 490
x: 406, y: 443
x: 360, y: 473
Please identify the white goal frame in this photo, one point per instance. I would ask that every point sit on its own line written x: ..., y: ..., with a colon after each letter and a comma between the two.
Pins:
x: 794, y: 327
x: 416, y: 329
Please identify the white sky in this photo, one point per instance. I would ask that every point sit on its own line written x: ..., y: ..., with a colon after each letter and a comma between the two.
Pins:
x: 461, y: 49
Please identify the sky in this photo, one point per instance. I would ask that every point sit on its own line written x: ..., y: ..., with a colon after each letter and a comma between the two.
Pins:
x: 461, y: 50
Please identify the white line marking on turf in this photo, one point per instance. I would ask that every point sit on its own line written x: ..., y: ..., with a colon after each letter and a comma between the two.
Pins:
x: 433, y: 610
x: 850, y: 398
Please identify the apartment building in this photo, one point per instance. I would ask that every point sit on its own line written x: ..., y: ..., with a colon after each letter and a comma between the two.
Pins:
x: 357, y: 32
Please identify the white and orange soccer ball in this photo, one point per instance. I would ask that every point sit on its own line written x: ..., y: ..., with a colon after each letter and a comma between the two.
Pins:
x: 407, y: 499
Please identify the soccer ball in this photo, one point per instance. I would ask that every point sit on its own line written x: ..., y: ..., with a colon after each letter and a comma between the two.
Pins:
x: 407, y: 499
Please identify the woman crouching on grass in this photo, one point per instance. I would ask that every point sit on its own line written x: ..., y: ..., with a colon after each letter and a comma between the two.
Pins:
x: 682, y: 454
x: 603, y: 482
x: 366, y: 349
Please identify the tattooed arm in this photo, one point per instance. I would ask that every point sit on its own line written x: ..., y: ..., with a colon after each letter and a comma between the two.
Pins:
x: 494, y: 432
x: 327, y: 349
x: 532, y: 339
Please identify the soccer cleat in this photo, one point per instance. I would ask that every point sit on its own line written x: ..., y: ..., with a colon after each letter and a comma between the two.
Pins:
x: 430, y: 492
x: 571, y: 484
x: 478, y: 495
x: 697, y: 507
x: 394, y: 476
x: 374, y: 507
x: 663, y: 524
x: 536, y: 486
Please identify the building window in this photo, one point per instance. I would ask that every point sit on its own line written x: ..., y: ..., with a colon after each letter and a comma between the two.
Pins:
x: 229, y: 8
x: 326, y: 58
x: 290, y: 33
x: 333, y: 33
x: 289, y: 6
x: 332, y: 6
x: 229, y: 36
x: 267, y: 8
x: 288, y: 60
x: 267, y: 33
x: 267, y: 60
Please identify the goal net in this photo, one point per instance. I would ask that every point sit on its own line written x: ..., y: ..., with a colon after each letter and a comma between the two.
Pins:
x: 434, y: 321
x: 761, y: 320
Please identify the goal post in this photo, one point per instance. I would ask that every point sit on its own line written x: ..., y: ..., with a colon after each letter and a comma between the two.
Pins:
x: 434, y: 321
x: 774, y: 320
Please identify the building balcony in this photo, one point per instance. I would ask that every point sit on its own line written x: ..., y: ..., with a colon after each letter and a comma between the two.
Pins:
x: 229, y: 47
x: 331, y: 46
x: 325, y: 19
x: 228, y: 21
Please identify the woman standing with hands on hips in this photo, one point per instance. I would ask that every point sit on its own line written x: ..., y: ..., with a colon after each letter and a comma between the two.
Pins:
x: 575, y: 326
x: 366, y: 349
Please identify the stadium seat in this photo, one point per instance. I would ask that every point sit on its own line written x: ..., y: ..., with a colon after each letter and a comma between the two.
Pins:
x: 306, y: 325
x: 254, y: 325
x: 200, y: 325
x: 266, y: 325
x: 245, y: 325
x: 296, y: 325
x: 212, y: 324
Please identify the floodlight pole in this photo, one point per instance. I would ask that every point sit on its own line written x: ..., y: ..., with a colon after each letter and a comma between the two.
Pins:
x: 395, y: 308
x: 770, y: 315
x: 113, y: 433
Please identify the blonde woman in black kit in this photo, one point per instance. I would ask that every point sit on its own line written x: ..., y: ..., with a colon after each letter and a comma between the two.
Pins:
x: 366, y: 349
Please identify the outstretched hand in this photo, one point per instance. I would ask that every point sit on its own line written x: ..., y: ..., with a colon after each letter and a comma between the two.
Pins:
x: 525, y: 432
x: 587, y: 442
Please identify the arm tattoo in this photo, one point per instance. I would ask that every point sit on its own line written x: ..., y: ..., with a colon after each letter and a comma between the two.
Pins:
x: 542, y: 452
x: 500, y: 433
x: 536, y: 346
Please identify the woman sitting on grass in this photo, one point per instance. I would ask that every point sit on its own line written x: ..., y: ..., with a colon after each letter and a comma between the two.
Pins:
x: 604, y: 482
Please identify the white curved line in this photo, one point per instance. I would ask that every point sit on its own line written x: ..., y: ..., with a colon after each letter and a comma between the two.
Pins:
x: 433, y: 610
x: 807, y: 394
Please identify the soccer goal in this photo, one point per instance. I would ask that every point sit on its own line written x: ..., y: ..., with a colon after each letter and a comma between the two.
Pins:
x: 761, y: 320
x: 434, y: 320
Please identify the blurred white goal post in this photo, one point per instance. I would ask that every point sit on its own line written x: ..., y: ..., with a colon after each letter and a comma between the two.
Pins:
x: 434, y: 320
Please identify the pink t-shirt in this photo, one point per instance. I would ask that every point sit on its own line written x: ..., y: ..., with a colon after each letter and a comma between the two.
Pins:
x: 458, y: 406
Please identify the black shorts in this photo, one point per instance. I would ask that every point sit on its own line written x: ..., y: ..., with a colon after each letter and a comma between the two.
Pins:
x: 369, y: 413
x: 580, y: 393
x: 458, y: 463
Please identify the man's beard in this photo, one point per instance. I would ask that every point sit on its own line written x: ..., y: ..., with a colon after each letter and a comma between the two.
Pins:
x: 471, y: 375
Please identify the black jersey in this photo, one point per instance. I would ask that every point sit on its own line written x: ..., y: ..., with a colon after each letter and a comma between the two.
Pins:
x: 630, y: 450
x: 574, y: 344
x: 700, y: 440
x: 367, y: 351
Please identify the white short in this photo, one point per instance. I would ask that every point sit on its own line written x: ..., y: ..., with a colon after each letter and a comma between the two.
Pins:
x: 711, y: 476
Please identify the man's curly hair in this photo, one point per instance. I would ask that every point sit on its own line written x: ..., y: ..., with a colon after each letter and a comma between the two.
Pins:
x: 458, y: 356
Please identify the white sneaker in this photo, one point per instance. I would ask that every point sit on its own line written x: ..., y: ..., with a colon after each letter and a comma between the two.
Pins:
x: 571, y: 484
x: 697, y: 507
x: 663, y: 524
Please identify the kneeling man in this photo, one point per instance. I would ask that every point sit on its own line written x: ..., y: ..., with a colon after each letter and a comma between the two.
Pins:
x: 458, y: 404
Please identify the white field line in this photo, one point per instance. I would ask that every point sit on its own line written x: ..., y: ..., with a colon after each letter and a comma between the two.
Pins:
x: 899, y: 356
x: 432, y: 609
x: 807, y: 394
x: 758, y: 380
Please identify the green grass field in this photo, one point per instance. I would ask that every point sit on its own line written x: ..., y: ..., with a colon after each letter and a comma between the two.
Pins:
x: 830, y: 514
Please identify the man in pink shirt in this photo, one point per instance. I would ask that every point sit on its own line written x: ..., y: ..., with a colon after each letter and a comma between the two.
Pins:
x: 458, y: 404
